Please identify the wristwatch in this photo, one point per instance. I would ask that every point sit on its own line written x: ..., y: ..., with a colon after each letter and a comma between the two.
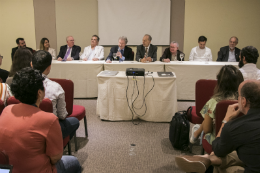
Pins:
x: 224, y: 121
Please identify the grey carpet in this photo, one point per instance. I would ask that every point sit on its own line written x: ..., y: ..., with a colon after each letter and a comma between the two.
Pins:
x: 107, y: 148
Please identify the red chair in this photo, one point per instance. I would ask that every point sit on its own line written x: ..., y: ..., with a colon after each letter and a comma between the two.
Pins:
x: 221, y: 110
x: 2, y: 106
x: 204, y: 91
x: 76, y: 111
x: 4, y: 159
x: 46, y: 106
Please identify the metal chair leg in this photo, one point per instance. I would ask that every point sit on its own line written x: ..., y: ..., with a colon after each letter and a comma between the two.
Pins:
x: 76, y: 143
x: 85, y: 123
x: 69, y: 148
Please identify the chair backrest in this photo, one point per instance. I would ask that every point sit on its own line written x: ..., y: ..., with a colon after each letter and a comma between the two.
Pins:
x: 68, y: 87
x: 221, y: 110
x: 204, y: 91
x: 2, y: 106
x: 46, y: 104
x: 133, y: 56
x: 4, y: 159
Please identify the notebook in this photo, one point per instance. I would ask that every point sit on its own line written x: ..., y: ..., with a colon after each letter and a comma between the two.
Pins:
x: 109, y: 73
x: 165, y: 74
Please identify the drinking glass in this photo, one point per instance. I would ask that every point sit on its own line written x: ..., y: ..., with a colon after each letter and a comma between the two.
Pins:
x: 181, y: 56
x: 114, y: 55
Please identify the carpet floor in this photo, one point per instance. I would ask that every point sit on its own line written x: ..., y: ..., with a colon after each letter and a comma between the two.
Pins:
x: 108, y: 147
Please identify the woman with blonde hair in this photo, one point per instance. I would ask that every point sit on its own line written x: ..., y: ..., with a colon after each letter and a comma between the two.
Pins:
x: 45, y: 45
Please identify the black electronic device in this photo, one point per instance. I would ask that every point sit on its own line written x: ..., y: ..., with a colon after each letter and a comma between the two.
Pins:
x: 135, y: 72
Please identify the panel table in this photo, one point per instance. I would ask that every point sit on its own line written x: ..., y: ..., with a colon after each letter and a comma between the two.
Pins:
x: 82, y: 73
x: 188, y: 72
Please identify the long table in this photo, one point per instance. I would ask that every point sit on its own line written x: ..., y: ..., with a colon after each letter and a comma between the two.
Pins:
x: 188, y: 72
x: 156, y: 66
x: 112, y: 101
x: 82, y: 73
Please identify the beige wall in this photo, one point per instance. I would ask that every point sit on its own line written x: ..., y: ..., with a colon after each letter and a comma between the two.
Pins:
x: 218, y: 20
x: 15, y: 23
x: 77, y: 18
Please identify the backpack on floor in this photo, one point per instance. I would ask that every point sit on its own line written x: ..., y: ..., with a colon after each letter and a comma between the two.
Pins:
x: 179, y: 131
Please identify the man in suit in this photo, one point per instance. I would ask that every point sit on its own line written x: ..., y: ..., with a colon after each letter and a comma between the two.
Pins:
x: 70, y: 51
x: 20, y: 44
x: 123, y: 52
x: 94, y: 52
x: 146, y: 51
x: 229, y: 53
x: 172, y: 53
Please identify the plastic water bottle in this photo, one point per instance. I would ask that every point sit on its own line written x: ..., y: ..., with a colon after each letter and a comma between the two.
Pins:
x: 132, y: 150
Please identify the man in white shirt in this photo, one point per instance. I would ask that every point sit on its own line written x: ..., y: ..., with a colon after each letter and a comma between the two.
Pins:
x: 42, y: 61
x: 201, y: 52
x: 93, y: 52
x: 247, y: 63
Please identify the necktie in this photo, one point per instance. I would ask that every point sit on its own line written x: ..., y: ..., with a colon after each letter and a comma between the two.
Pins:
x: 146, y: 51
x: 67, y: 54
x: 122, y: 52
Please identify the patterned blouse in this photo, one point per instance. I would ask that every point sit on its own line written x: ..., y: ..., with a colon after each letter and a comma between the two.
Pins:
x: 5, y: 92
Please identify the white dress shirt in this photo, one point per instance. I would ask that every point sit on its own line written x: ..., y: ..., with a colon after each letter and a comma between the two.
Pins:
x: 250, y: 71
x: 56, y: 94
x: 198, y: 54
x: 231, y: 56
x: 53, y: 53
x: 98, y: 53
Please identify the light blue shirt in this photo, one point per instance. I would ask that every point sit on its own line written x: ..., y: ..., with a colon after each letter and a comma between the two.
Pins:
x: 231, y: 56
x: 123, y: 58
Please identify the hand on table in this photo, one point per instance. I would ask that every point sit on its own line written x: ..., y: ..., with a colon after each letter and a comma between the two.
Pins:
x: 108, y: 61
x: 149, y: 59
x: 166, y: 60
x: 143, y: 60
x: 95, y: 59
x: 59, y: 59
x: 69, y: 59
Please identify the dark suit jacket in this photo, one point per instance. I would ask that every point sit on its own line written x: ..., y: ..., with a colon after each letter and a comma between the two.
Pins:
x: 168, y: 55
x: 223, y: 54
x: 127, y: 54
x: 15, y: 49
x: 4, y: 74
x: 151, y: 53
x: 74, y: 54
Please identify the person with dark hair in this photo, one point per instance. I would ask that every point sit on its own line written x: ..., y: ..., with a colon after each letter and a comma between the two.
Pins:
x: 201, y: 52
x: 229, y: 53
x: 228, y: 80
x: 236, y: 148
x: 93, y: 52
x: 70, y: 51
x: 3, y: 73
x: 146, y: 51
x: 32, y: 138
x: 22, y: 58
x: 45, y: 45
x: 42, y: 61
x: 20, y: 44
x: 247, y: 63
x: 120, y: 52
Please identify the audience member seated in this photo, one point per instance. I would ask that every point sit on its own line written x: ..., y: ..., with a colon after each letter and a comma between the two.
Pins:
x: 120, y: 52
x: 3, y: 73
x: 30, y: 137
x: 93, y: 52
x: 5, y: 92
x: 146, y: 51
x: 247, y: 63
x: 70, y: 51
x: 22, y: 58
x: 45, y: 45
x: 236, y: 147
x: 20, y: 44
x: 42, y: 61
x: 172, y: 53
x: 201, y: 52
x: 228, y: 80
x: 229, y: 53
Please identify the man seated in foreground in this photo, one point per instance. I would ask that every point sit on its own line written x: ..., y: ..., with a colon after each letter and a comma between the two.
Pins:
x: 236, y: 147
x: 229, y: 53
x: 30, y: 137
x: 42, y: 61
x: 120, y: 52
x: 146, y: 51
x: 247, y: 63
x: 172, y: 53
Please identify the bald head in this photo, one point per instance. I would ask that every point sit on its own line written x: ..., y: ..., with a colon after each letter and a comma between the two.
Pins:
x: 250, y: 90
x: 70, y: 41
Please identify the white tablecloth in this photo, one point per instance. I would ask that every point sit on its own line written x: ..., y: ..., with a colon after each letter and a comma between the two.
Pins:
x: 188, y: 72
x: 156, y: 66
x: 161, y: 101
x: 82, y: 73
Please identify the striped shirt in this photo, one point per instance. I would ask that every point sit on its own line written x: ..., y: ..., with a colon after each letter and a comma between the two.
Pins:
x: 5, y: 92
